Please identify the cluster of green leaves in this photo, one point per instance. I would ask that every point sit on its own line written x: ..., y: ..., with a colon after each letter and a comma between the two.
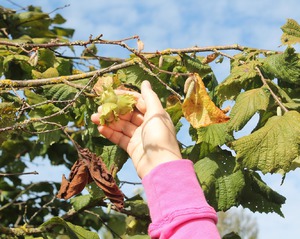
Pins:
x: 35, y: 116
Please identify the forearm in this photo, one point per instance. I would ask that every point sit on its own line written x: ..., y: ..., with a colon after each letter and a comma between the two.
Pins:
x: 177, y: 204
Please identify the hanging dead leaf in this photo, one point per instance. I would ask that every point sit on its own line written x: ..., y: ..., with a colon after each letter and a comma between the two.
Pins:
x: 199, y: 109
x: 209, y: 58
x: 89, y: 167
x: 78, y: 178
x: 103, y: 178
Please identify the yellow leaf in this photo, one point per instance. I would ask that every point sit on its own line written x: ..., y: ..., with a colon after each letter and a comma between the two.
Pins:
x: 199, y: 109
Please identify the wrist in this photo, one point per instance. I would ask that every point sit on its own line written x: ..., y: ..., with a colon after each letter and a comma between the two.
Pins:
x: 145, y: 165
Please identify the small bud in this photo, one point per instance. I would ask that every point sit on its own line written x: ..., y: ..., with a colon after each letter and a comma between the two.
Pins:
x: 140, y: 45
x: 187, y: 83
x: 279, y: 111
x: 160, y: 61
x: 33, y: 60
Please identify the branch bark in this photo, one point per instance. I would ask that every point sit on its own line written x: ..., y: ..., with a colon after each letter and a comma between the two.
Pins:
x: 16, y: 174
x: 6, y: 83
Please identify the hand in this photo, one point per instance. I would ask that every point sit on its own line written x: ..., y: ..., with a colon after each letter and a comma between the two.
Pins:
x: 147, y: 133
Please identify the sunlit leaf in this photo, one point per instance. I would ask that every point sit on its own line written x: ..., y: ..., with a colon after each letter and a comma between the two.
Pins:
x: 74, y: 231
x: 195, y: 65
x: 240, y: 77
x: 59, y: 19
x: 285, y: 66
x: 225, y: 186
x: 114, y: 156
x: 199, y: 109
x: 274, y: 147
x: 246, y: 105
x: 291, y: 32
x: 214, y: 134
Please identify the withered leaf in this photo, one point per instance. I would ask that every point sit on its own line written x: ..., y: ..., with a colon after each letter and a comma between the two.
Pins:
x: 103, y: 178
x: 89, y: 167
x: 79, y: 177
x: 198, y: 108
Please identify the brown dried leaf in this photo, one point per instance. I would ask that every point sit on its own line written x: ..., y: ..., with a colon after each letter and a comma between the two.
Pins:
x: 79, y: 177
x: 89, y: 167
x: 103, y: 178
x: 209, y: 58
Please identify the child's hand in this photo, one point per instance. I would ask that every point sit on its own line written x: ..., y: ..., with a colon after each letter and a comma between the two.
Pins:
x: 147, y: 133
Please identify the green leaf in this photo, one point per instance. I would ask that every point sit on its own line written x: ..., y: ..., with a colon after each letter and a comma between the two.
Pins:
x: 273, y: 148
x: 63, y: 32
x: 113, y: 156
x: 138, y: 206
x: 17, y: 67
x: 138, y: 237
x: 59, y: 92
x: 175, y: 112
x: 63, y: 66
x: 247, y: 104
x: 50, y: 72
x: 134, y: 75
x: 241, y: 76
x: 49, y: 136
x: 33, y: 98
x: 81, y: 201
x: 226, y: 186
x: 194, y: 65
x: 221, y: 184
x: 214, y: 135
x: 46, y: 59
x: 58, y: 19
x: 74, y: 231
x: 291, y: 32
x: 285, y: 66
x: 258, y: 197
x: 95, y: 191
x: 82, y: 233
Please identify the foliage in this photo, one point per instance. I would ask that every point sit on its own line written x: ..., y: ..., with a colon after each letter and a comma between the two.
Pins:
x: 47, y: 96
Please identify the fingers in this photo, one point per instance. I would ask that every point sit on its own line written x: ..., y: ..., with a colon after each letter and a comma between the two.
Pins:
x: 150, y: 98
x: 135, y: 117
x: 115, y: 137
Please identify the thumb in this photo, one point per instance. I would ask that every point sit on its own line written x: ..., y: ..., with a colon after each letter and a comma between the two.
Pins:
x: 151, y: 99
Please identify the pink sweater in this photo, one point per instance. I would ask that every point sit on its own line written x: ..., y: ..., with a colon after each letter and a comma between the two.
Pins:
x: 178, y: 208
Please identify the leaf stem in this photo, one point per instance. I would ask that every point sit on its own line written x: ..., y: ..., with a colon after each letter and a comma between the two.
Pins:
x: 276, y: 98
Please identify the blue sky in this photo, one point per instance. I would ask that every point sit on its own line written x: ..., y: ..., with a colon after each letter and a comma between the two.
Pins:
x: 181, y: 24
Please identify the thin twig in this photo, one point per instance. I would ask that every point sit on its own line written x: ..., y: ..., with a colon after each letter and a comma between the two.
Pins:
x: 105, y: 224
x: 17, y: 174
x: 19, y: 195
x: 40, y: 209
x: 60, y: 112
x: 160, y: 80
x: 263, y: 79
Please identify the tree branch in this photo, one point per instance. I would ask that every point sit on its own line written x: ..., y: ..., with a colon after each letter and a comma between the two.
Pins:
x: 6, y: 83
x: 263, y: 79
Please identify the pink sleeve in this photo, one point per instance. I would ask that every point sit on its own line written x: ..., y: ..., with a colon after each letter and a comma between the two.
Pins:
x: 178, y: 208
